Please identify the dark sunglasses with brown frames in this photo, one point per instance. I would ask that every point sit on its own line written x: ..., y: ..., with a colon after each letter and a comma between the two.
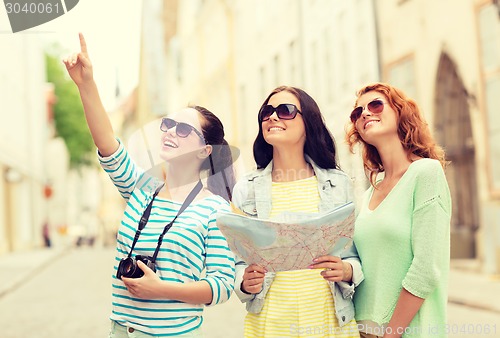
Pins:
x: 181, y: 129
x: 285, y: 111
x: 375, y: 106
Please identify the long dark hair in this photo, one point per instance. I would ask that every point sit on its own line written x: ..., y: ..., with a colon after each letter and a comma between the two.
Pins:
x: 220, y: 160
x: 319, y: 145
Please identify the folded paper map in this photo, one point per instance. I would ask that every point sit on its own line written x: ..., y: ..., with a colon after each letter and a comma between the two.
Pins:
x: 292, y: 240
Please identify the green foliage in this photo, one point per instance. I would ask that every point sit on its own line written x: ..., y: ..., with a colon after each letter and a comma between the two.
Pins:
x: 68, y: 114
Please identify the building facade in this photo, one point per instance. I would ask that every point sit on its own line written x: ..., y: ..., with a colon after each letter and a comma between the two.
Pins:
x: 446, y: 55
x: 23, y: 142
x: 42, y: 199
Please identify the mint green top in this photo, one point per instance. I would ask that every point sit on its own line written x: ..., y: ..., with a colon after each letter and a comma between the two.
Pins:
x: 405, y: 243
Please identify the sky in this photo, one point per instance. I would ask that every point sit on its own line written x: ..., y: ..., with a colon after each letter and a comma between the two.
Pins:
x: 112, y: 31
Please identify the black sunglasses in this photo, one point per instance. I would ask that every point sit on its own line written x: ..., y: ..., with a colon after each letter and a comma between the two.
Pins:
x: 285, y: 111
x: 375, y: 106
x: 181, y: 129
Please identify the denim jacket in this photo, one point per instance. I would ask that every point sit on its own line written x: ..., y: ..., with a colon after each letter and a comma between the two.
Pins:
x: 252, y: 194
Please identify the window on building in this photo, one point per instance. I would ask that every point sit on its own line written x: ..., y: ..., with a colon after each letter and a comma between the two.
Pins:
x: 277, y: 78
x: 176, y: 58
x: 489, y: 37
x: 344, y: 57
x: 401, y: 74
x: 316, y: 78
x: 243, y: 112
x: 328, y: 65
x: 292, y: 56
x: 263, y: 82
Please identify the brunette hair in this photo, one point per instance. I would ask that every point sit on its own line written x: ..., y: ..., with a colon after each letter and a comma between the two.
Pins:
x: 220, y: 160
x: 319, y: 145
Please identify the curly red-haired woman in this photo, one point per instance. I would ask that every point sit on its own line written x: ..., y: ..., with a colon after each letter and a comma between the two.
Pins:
x: 402, y: 229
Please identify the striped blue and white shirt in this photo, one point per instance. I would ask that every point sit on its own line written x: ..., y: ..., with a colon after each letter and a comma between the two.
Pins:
x: 193, y: 249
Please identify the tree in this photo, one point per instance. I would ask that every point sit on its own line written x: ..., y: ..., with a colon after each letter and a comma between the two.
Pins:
x: 69, y: 116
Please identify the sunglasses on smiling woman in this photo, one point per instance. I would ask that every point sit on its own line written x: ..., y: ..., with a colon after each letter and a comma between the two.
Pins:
x: 181, y: 129
x: 375, y: 107
x: 285, y: 111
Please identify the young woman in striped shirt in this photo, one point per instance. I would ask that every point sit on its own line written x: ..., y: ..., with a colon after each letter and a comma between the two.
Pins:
x: 194, y: 265
x: 297, y: 171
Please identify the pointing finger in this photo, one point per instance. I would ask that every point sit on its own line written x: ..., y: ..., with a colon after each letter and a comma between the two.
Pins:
x: 83, y: 44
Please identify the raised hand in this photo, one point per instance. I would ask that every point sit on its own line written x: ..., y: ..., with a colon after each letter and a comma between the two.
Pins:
x: 80, y: 69
x: 78, y: 65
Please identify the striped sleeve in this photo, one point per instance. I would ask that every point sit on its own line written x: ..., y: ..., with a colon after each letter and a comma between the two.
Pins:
x: 219, y: 262
x: 122, y: 170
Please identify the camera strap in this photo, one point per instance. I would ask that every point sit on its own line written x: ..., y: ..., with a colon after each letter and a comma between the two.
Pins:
x: 183, y: 207
x: 144, y: 220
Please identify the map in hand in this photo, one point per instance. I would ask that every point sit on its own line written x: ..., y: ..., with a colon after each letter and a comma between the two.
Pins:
x: 291, y: 241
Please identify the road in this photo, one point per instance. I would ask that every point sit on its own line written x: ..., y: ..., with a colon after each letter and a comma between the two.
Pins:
x: 71, y: 298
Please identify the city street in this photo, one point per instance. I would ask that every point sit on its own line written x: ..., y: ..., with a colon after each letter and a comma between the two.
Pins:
x: 70, y: 297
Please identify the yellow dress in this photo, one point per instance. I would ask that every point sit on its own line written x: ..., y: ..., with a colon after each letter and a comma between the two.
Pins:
x: 299, y: 303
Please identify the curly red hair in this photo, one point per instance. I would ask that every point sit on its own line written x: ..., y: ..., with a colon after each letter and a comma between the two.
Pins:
x: 413, y: 131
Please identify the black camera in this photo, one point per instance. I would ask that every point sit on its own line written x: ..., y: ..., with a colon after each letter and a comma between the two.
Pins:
x: 128, y: 266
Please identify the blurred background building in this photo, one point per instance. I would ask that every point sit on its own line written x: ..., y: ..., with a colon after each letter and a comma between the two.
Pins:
x: 23, y: 99
x: 446, y: 54
x: 228, y: 55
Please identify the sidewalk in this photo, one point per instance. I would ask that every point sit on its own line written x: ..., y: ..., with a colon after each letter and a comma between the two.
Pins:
x: 18, y: 267
x: 471, y: 288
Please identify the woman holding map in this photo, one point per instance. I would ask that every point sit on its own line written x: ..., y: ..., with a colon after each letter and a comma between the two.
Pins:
x: 297, y: 171
x: 403, y: 226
